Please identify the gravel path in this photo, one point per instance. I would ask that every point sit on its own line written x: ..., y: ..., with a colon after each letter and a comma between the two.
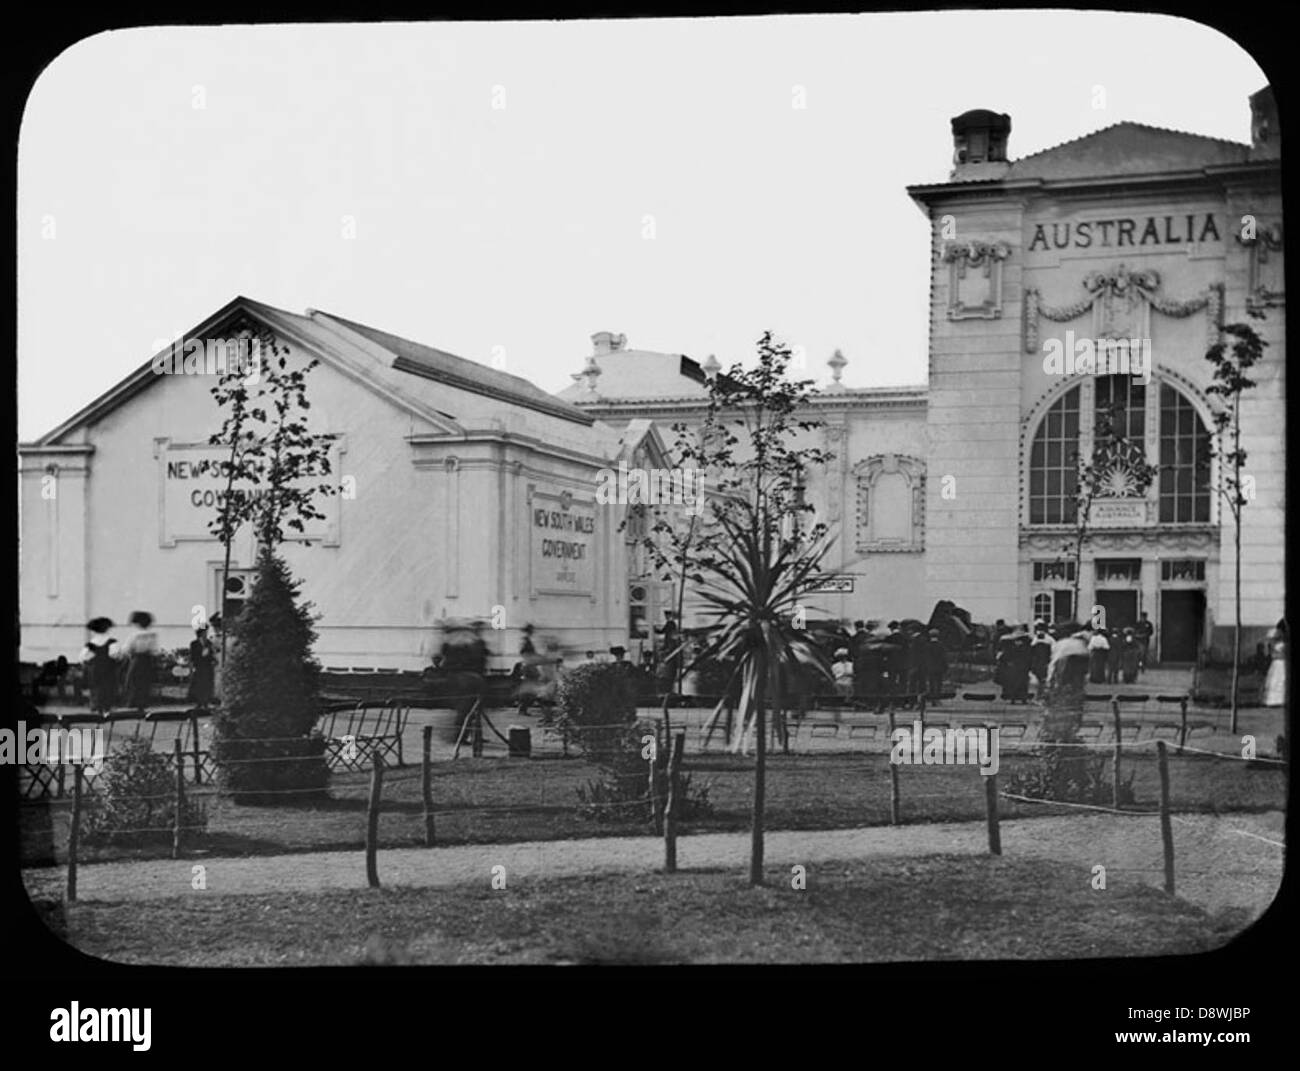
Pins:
x: 1222, y: 862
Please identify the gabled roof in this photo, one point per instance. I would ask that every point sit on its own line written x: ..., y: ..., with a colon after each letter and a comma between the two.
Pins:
x: 1122, y: 151
x: 1128, y: 149
x: 409, y: 375
x: 638, y: 434
x: 417, y: 359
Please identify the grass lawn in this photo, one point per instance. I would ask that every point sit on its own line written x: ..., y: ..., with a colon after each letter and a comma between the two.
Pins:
x: 935, y: 907
x: 503, y: 800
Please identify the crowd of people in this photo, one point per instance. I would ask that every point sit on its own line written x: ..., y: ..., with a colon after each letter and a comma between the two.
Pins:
x: 124, y: 674
x: 1094, y: 655
x: 873, y: 661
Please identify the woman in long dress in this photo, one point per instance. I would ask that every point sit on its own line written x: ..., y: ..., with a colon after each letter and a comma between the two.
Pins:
x: 1098, y: 656
x: 1275, y: 679
x: 100, y: 659
x: 140, y: 651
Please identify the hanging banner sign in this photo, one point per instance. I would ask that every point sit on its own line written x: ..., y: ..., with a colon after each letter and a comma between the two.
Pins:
x: 831, y: 585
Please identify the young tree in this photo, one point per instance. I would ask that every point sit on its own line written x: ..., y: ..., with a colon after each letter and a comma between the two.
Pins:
x: 668, y: 538
x: 1231, y: 363
x: 1115, y: 468
x: 276, y: 468
x: 233, y: 398
x: 272, y: 452
x: 758, y: 550
x: 264, y: 742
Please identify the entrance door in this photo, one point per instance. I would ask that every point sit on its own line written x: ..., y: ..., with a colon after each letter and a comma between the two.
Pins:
x: 1121, y: 607
x: 1182, y: 621
x: 1062, y: 606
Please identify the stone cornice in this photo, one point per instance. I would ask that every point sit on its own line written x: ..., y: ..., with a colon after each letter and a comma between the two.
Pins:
x: 845, y: 400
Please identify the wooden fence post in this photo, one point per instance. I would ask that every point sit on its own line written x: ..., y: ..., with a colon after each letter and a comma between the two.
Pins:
x: 1182, y: 732
x: 179, y: 817
x: 198, y: 758
x: 991, y: 804
x: 658, y: 764
x: 426, y: 777
x: 1166, y: 827
x: 477, y: 750
x: 1119, y: 739
x: 74, y: 834
x: 372, y: 820
x: 893, y: 774
x: 674, y: 803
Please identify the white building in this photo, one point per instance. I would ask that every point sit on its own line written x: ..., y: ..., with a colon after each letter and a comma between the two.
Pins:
x: 961, y: 489
x: 465, y: 492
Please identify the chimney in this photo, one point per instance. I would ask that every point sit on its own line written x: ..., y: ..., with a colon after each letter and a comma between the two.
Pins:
x: 604, y: 342
x: 979, y: 145
x: 1265, y: 134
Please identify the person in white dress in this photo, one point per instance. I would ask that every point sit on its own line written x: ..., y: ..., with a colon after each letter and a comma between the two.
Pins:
x: 1275, y: 679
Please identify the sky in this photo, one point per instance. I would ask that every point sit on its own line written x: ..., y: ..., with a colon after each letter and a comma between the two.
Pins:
x: 504, y: 190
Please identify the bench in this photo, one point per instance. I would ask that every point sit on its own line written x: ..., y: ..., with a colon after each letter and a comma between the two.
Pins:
x: 355, y: 732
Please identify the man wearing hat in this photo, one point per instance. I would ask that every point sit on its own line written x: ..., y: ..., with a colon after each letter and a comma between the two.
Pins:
x: 934, y: 665
x: 1013, y: 661
x: 202, y: 659
x: 1130, y: 656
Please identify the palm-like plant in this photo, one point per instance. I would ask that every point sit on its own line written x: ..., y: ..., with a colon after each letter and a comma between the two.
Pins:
x: 753, y: 589
x: 755, y: 552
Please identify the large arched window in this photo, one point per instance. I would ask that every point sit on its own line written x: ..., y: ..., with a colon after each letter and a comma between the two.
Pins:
x: 1184, y: 449
x: 1053, y: 477
x: 1125, y: 400
x: 1184, y: 460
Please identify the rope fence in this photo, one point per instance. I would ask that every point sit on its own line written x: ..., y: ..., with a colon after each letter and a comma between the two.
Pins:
x: 662, y: 807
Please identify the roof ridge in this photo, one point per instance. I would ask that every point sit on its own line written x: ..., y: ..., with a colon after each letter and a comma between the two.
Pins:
x: 368, y: 329
x: 1130, y: 123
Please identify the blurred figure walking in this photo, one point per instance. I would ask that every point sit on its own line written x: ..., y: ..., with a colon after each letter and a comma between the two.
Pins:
x: 141, y: 649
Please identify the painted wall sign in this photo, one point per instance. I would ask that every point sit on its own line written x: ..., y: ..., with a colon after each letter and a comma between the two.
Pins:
x: 193, y: 479
x: 563, y: 537
x: 831, y: 585
x: 1131, y: 231
x: 1118, y: 512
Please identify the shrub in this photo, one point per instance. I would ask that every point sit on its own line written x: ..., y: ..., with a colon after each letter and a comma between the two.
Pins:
x: 135, y: 798
x: 624, y: 782
x: 713, y: 676
x: 1071, y: 775
x: 264, y: 732
x: 595, y: 709
x: 595, y: 706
